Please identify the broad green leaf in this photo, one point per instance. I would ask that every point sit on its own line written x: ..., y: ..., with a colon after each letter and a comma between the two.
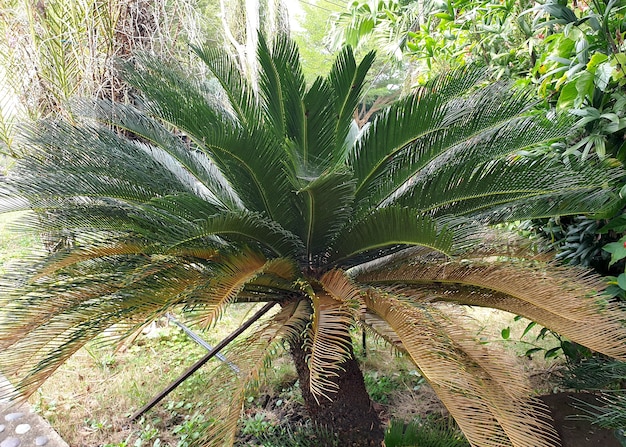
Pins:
x: 568, y: 96
x: 617, y: 224
x: 621, y: 281
x: 560, y: 12
x: 506, y: 333
x: 603, y: 74
x: 617, y: 250
x: 584, y: 86
x: 551, y: 353
x: 531, y: 351
x: 595, y: 60
x: 617, y: 62
x: 444, y: 16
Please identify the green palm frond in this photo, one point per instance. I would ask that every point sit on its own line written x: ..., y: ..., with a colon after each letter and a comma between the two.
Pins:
x: 456, y: 83
x: 282, y: 89
x: 194, y: 166
x: 60, y: 24
x: 241, y: 96
x: 427, y: 133
x: 249, y: 157
x: 408, y: 120
x: 266, y: 122
x: 325, y: 206
x: 387, y: 229
x: 178, y: 100
x: 396, y: 127
x: 317, y: 154
x: 178, y: 231
x: 347, y: 79
x: 509, y: 189
x: 68, y: 161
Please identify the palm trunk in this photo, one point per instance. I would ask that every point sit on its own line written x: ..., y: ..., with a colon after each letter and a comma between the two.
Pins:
x: 350, y: 414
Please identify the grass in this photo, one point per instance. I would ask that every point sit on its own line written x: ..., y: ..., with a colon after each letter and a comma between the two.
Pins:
x: 90, y: 399
x: 425, y: 432
x: 14, y: 245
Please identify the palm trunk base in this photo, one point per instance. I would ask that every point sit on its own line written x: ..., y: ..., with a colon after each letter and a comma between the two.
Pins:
x: 350, y: 414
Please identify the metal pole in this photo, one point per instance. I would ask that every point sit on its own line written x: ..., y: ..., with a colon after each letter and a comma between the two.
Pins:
x: 195, y: 337
x: 158, y: 398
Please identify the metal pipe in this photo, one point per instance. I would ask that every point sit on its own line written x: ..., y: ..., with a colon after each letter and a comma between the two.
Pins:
x: 195, y: 337
x: 193, y: 368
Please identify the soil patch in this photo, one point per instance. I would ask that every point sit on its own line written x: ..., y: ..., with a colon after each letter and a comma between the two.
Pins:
x: 573, y: 430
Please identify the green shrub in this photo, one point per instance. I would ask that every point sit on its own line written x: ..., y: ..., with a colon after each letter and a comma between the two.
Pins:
x: 424, y: 432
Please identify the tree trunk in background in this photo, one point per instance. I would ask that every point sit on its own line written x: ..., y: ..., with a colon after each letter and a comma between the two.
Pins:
x: 350, y: 414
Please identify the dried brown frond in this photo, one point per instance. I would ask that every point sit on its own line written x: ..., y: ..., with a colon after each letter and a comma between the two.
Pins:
x: 487, y: 399
x: 230, y: 278
x: 40, y: 331
x: 62, y: 260
x: 337, y: 284
x: 252, y: 357
x: 563, y: 299
x: 382, y: 329
x: 195, y: 252
x: 328, y: 342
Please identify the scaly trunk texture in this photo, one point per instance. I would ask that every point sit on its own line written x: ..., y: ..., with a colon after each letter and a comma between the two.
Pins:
x: 350, y: 414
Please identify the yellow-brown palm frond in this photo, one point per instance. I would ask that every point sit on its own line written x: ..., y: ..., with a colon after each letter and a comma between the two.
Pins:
x: 484, y: 394
x: 338, y: 285
x: 252, y: 356
x: 230, y: 277
x: 62, y: 259
x: 336, y: 305
x: 563, y: 299
x: 40, y: 330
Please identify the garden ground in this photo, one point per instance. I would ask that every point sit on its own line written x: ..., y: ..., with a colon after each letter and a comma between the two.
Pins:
x: 90, y: 400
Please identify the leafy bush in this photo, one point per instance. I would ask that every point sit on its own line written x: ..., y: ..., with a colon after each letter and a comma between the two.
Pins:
x: 424, y: 432
x: 594, y: 373
x: 380, y: 386
x: 261, y: 431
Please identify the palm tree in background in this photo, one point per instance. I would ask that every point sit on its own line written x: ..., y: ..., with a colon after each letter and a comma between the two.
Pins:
x: 268, y: 193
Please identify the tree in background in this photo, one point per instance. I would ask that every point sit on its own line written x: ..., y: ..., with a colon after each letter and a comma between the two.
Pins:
x: 243, y: 20
x: 56, y: 50
x: 429, y: 36
x: 273, y: 196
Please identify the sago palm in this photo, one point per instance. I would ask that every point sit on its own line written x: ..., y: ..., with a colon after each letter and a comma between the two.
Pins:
x: 267, y: 193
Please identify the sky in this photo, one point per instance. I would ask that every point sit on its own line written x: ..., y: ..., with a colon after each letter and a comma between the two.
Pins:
x: 296, y: 14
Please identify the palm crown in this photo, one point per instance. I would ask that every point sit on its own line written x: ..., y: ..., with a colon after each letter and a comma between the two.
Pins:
x: 269, y: 193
